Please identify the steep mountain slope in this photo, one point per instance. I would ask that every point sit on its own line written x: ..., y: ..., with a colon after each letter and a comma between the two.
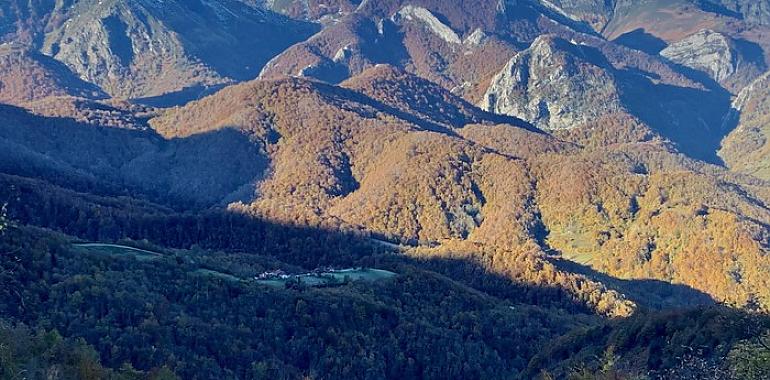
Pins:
x: 542, y: 85
x: 467, y: 54
x: 457, y: 49
x: 563, y: 85
x: 723, y: 59
x: 602, y: 14
x: 494, y: 193
x: 642, y: 213
x: 652, y: 25
x: 328, y: 141
x: 745, y: 149
x: 324, y: 11
x: 138, y: 48
x: 669, y: 19
x: 728, y: 37
x: 23, y: 21
x: 419, y: 98
x: 326, y: 138
x: 596, y: 13
x: 753, y: 11
x: 341, y: 160
x: 532, y: 172
x: 68, y: 152
x: 26, y: 75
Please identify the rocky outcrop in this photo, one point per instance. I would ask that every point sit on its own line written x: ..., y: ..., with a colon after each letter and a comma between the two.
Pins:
x: 730, y: 62
x: 553, y: 85
x: 455, y: 43
x: 595, y: 13
x: 706, y: 51
x: 143, y: 48
x: 419, y: 14
x: 323, y: 11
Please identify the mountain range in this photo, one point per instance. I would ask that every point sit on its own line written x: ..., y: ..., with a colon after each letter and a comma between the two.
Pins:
x: 562, y: 189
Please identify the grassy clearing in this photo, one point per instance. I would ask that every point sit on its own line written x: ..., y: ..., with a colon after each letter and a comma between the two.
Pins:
x: 143, y: 255
x: 213, y: 273
x: 331, y: 278
x: 116, y: 249
x: 580, y: 258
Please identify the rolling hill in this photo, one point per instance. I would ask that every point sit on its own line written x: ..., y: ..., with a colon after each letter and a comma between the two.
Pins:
x: 337, y: 158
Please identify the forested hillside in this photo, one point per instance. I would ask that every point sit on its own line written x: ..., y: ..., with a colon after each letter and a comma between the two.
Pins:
x: 396, y: 189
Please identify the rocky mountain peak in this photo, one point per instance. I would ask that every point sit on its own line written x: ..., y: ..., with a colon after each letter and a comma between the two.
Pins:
x: 731, y: 62
x: 144, y: 48
x: 707, y: 51
x: 541, y: 85
x: 419, y: 14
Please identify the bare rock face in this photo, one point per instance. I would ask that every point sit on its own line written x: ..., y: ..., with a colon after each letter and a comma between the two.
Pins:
x: 553, y: 85
x: 458, y: 44
x: 706, y: 51
x: 323, y: 11
x: 596, y: 13
x: 732, y: 63
x: 422, y: 15
x: 104, y: 44
x: 144, y: 48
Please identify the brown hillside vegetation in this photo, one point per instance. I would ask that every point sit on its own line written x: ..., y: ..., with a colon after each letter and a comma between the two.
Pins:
x: 420, y: 98
x: 745, y: 149
x: 131, y: 158
x: 409, y: 189
x: 110, y: 113
x: 27, y: 75
x: 637, y: 214
x: 452, y: 43
x: 389, y: 176
x: 632, y: 210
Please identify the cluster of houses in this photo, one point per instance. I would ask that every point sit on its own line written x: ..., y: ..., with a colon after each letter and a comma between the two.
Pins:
x: 319, y: 272
x: 273, y: 274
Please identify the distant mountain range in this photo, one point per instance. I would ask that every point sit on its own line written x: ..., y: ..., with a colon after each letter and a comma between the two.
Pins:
x: 147, y: 48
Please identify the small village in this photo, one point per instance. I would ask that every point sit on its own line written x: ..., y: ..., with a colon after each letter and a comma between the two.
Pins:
x: 322, y: 276
x: 279, y: 274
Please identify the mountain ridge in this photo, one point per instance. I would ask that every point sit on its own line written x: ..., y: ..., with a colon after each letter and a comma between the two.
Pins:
x: 567, y: 189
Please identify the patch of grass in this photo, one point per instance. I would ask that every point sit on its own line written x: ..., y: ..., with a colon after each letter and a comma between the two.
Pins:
x: 213, y: 273
x: 116, y: 249
x: 330, y: 278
